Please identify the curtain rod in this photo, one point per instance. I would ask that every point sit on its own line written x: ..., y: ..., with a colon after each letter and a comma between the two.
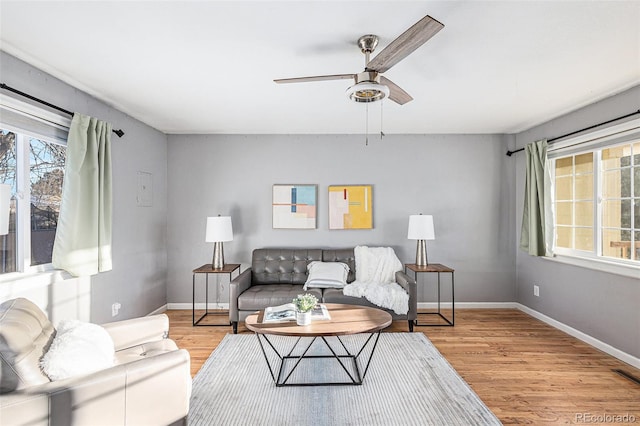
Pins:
x: 118, y: 132
x: 510, y: 153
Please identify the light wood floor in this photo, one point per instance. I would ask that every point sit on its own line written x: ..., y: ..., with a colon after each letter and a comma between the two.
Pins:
x: 524, y: 370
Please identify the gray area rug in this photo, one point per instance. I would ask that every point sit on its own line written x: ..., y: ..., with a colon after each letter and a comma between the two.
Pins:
x: 408, y: 383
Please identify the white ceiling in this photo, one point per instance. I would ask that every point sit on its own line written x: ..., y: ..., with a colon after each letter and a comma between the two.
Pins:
x: 208, y: 66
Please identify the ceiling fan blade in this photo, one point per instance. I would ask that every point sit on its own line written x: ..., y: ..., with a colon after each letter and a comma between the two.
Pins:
x: 314, y: 78
x: 396, y: 94
x: 407, y: 42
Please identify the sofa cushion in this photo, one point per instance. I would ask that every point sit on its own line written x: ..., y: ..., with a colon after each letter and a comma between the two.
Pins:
x: 25, y: 332
x: 326, y: 275
x: 346, y: 256
x: 145, y: 350
x: 335, y: 295
x: 78, y: 348
x: 282, y: 266
x: 258, y: 297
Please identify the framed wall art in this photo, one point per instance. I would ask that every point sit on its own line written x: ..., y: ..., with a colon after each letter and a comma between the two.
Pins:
x: 294, y: 206
x: 350, y: 207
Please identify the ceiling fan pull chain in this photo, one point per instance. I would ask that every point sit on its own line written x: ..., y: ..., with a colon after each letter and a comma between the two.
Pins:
x: 366, y: 121
x: 381, y: 120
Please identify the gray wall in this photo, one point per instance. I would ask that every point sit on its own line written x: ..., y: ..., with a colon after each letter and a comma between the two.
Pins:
x: 602, y: 305
x: 473, y: 190
x: 138, y: 279
x: 464, y: 181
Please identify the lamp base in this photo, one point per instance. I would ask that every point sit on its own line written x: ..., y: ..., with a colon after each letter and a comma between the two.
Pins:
x: 421, y: 253
x: 218, y: 256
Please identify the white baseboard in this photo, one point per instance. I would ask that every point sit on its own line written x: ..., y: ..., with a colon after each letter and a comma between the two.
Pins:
x: 160, y: 310
x: 421, y: 305
x: 468, y: 305
x: 598, y: 344
x: 189, y: 306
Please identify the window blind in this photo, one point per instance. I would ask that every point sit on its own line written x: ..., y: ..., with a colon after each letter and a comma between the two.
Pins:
x: 24, y: 117
x: 610, y: 136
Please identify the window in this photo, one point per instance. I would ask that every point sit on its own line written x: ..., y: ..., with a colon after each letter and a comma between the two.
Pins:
x: 34, y: 168
x: 597, y: 202
x: 574, y: 202
x: 32, y: 154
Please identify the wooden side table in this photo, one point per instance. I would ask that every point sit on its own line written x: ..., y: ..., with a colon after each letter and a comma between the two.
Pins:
x: 438, y: 269
x: 206, y: 269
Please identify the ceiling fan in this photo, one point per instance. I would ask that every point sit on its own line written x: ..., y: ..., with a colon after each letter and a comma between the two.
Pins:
x: 370, y: 85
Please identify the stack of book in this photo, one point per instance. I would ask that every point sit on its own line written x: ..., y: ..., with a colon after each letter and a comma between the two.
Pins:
x: 287, y: 312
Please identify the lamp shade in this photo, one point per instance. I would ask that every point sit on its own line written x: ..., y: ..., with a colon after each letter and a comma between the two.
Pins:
x: 421, y: 227
x: 5, y: 201
x: 219, y: 229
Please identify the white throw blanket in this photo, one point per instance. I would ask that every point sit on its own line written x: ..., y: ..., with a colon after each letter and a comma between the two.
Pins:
x: 376, y: 268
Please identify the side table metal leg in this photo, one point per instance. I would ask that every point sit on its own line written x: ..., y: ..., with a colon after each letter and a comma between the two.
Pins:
x: 206, y: 298
x: 193, y: 306
x: 439, y: 313
x: 453, y: 301
x: 415, y: 321
x: 217, y: 291
x: 218, y: 309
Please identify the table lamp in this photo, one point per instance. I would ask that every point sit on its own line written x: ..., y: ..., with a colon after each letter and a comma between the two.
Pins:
x: 421, y: 229
x: 219, y: 230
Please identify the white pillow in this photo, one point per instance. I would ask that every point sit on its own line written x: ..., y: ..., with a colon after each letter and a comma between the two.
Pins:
x: 78, y: 348
x: 326, y: 275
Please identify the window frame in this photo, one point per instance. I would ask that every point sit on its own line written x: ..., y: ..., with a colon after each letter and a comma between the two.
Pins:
x: 59, y: 126
x: 574, y: 200
x: 622, y: 134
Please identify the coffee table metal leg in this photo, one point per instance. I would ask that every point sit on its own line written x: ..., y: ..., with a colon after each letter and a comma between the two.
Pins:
x: 358, y: 379
x: 266, y: 358
x: 300, y: 358
x: 375, y: 344
x: 280, y: 381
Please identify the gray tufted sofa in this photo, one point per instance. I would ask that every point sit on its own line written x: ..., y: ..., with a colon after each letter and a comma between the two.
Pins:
x: 277, y: 275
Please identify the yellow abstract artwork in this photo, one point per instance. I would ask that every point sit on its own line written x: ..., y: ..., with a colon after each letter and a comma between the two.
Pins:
x: 350, y: 207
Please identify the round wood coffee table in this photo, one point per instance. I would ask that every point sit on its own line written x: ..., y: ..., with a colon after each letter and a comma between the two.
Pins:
x: 345, y: 320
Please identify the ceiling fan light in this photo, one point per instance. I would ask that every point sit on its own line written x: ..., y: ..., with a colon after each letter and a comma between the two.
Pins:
x: 367, y: 91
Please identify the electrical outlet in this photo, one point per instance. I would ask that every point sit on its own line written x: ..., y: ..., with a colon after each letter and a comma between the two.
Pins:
x: 115, y: 308
x: 536, y: 290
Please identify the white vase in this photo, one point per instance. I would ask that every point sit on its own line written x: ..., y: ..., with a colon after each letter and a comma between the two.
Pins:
x: 303, y: 318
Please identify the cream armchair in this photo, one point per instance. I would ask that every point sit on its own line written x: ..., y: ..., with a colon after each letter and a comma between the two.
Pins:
x: 150, y: 383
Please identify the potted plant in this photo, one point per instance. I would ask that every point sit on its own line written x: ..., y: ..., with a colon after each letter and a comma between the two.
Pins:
x: 304, y: 304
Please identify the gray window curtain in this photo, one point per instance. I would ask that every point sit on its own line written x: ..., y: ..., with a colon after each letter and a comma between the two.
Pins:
x: 83, y: 238
x: 536, y: 236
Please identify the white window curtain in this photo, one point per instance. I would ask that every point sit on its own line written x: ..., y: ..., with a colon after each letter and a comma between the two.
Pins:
x: 536, y: 236
x: 83, y: 238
